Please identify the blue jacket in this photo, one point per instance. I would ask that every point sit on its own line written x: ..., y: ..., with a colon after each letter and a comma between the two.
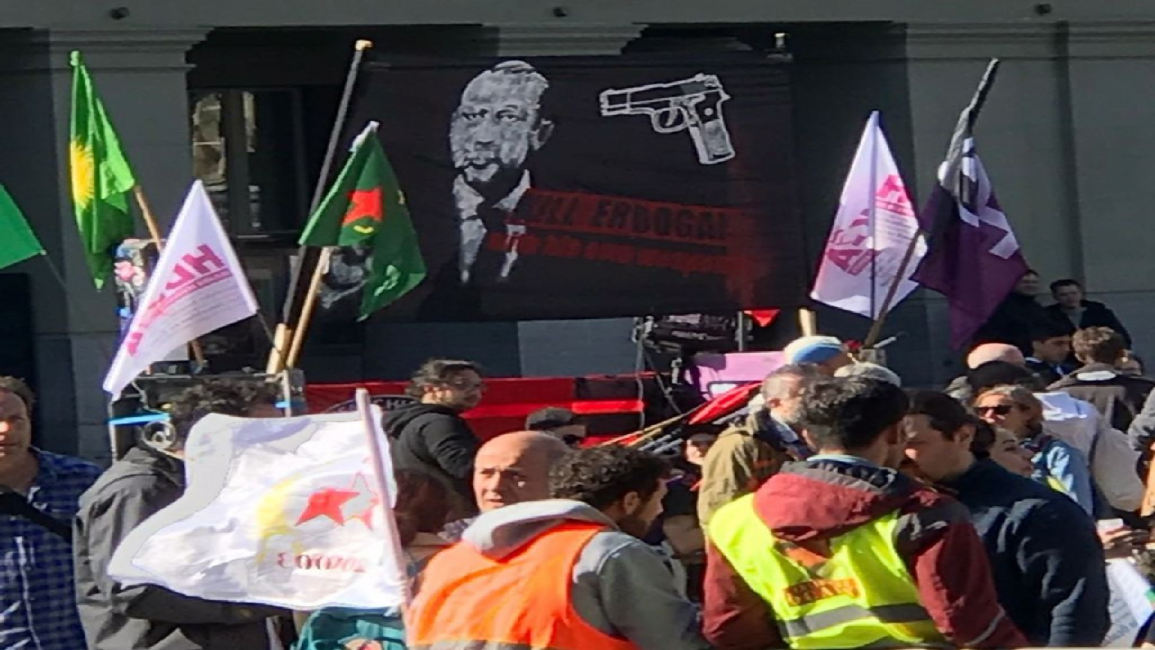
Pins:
x: 1047, y: 561
x: 1057, y: 460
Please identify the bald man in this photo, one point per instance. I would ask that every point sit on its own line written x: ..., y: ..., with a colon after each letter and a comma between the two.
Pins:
x: 511, y: 468
x: 960, y: 388
x: 988, y: 352
x: 494, y: 132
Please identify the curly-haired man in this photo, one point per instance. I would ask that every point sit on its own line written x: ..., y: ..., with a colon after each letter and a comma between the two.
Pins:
x: 150, y: 477
x: 568, y: 573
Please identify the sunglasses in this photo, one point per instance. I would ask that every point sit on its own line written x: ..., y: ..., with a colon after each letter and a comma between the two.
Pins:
x: 1001, y: 409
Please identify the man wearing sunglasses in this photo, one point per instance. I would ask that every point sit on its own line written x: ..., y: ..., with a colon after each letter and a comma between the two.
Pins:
x: 430, y: 436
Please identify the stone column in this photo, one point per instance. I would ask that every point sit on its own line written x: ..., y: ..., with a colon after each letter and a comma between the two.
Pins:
x: 140, y: 75
x: 1111, y: 91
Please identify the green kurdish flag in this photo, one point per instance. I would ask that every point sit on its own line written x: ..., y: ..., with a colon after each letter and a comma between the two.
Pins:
x: 101, y: 177
x: 17, y: 241
x: 365, y: 207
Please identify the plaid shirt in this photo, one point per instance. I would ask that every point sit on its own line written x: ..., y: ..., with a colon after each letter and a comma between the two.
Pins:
x: 37, y: 597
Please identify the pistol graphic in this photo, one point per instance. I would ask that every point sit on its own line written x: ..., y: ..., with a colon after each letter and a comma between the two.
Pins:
x: 693, y: 104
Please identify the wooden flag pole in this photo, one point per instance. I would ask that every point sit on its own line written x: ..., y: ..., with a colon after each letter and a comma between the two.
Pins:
x: 298, y: 340
x: 154, y: 232
x: 808, y: 321
x: 891, y: 292
x: 286, y: 331
x: 149, y: 218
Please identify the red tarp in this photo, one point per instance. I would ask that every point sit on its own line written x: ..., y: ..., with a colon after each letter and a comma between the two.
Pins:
x: 611, y: 404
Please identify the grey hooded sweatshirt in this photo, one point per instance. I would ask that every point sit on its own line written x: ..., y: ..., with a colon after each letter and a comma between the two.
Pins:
x: 621, y: 586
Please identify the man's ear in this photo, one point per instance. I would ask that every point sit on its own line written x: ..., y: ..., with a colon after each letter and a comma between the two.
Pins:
x: 631, y: 502
x: 965, y: 435
x: 541, y: 134
x: 809, y: 439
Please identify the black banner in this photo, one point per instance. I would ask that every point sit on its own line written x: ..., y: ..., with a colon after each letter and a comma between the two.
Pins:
x: 571, y: 187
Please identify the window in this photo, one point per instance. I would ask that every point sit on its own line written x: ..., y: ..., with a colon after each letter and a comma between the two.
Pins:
x: 248, y: 149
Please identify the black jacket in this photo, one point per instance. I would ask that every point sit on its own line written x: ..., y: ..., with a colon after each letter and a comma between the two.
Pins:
x: 1096, y: 314
x: 146, y: 617
x: 1014, y: 321
x: 437, y: 441
x: 1120, y: 398
x: 1048, y: 373
x: 1047, y: 561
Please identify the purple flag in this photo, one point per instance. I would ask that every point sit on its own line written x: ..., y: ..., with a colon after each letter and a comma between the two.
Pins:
x: 974, y: 259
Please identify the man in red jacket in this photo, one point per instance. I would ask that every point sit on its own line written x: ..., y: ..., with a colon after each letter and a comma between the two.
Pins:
x: 841, y: 551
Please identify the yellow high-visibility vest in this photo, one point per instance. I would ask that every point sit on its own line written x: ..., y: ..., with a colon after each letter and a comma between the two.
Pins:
x: 860, y: 596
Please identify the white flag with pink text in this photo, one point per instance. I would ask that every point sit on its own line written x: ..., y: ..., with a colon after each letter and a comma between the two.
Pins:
x: 866, y: 246
x: 198, y: 286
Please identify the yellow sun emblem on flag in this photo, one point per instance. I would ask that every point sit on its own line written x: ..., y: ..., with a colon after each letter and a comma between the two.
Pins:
x: 83, y: 173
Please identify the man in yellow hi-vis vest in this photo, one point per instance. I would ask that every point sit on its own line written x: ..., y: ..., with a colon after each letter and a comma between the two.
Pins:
x: 841, y: 551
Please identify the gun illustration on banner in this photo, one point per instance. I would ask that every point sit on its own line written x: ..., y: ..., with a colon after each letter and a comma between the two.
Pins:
x: 693, y: 104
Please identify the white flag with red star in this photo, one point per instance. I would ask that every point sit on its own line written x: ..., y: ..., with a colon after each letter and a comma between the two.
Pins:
x: 284, y: 512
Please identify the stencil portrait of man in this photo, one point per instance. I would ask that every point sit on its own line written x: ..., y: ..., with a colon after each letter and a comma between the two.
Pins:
x: 495, y: 131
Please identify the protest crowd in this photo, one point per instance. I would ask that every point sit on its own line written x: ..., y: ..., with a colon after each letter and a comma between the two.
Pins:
x: 838, y: 510
x: 833, y: 508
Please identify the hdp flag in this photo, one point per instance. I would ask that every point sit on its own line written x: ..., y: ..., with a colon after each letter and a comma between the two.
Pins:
x: 18, y: 241
x: 366, y: 209
x: 288, y: 512
x: 874, y: 227
x: 198, y: 286
x: 974, y: 259
x: 101, y: 176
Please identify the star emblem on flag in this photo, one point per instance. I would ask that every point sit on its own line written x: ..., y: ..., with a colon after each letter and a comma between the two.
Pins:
x: 342, y: 504
x: 366, y: 211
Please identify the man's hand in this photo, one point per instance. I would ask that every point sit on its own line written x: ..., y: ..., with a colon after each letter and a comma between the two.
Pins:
x: 1122, y: 542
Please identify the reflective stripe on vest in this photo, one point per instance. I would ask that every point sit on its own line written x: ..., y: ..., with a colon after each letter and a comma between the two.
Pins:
x: 859, y: 595
x: 468, y: 601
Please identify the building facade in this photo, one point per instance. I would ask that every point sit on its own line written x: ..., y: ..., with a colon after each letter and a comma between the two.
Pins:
x: 242, y: 95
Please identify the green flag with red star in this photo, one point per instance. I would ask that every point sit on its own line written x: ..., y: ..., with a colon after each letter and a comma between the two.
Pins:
x: 366, y: 209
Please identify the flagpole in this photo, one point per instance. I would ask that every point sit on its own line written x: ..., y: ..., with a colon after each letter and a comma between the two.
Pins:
x: 891, y: 292
x: 808, y: 321
x: 872, y: 210
x: 364, y: 408
x: 289, y: 336
x: 307, y: 309
x: 154, y: 232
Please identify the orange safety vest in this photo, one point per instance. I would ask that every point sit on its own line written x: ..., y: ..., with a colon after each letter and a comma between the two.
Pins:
x: 520, y: 601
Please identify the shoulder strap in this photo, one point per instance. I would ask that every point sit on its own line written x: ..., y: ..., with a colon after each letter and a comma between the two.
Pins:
x: 1094, y: 448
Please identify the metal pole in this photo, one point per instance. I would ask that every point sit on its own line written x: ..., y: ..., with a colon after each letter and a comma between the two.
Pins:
x: 295, y: 298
